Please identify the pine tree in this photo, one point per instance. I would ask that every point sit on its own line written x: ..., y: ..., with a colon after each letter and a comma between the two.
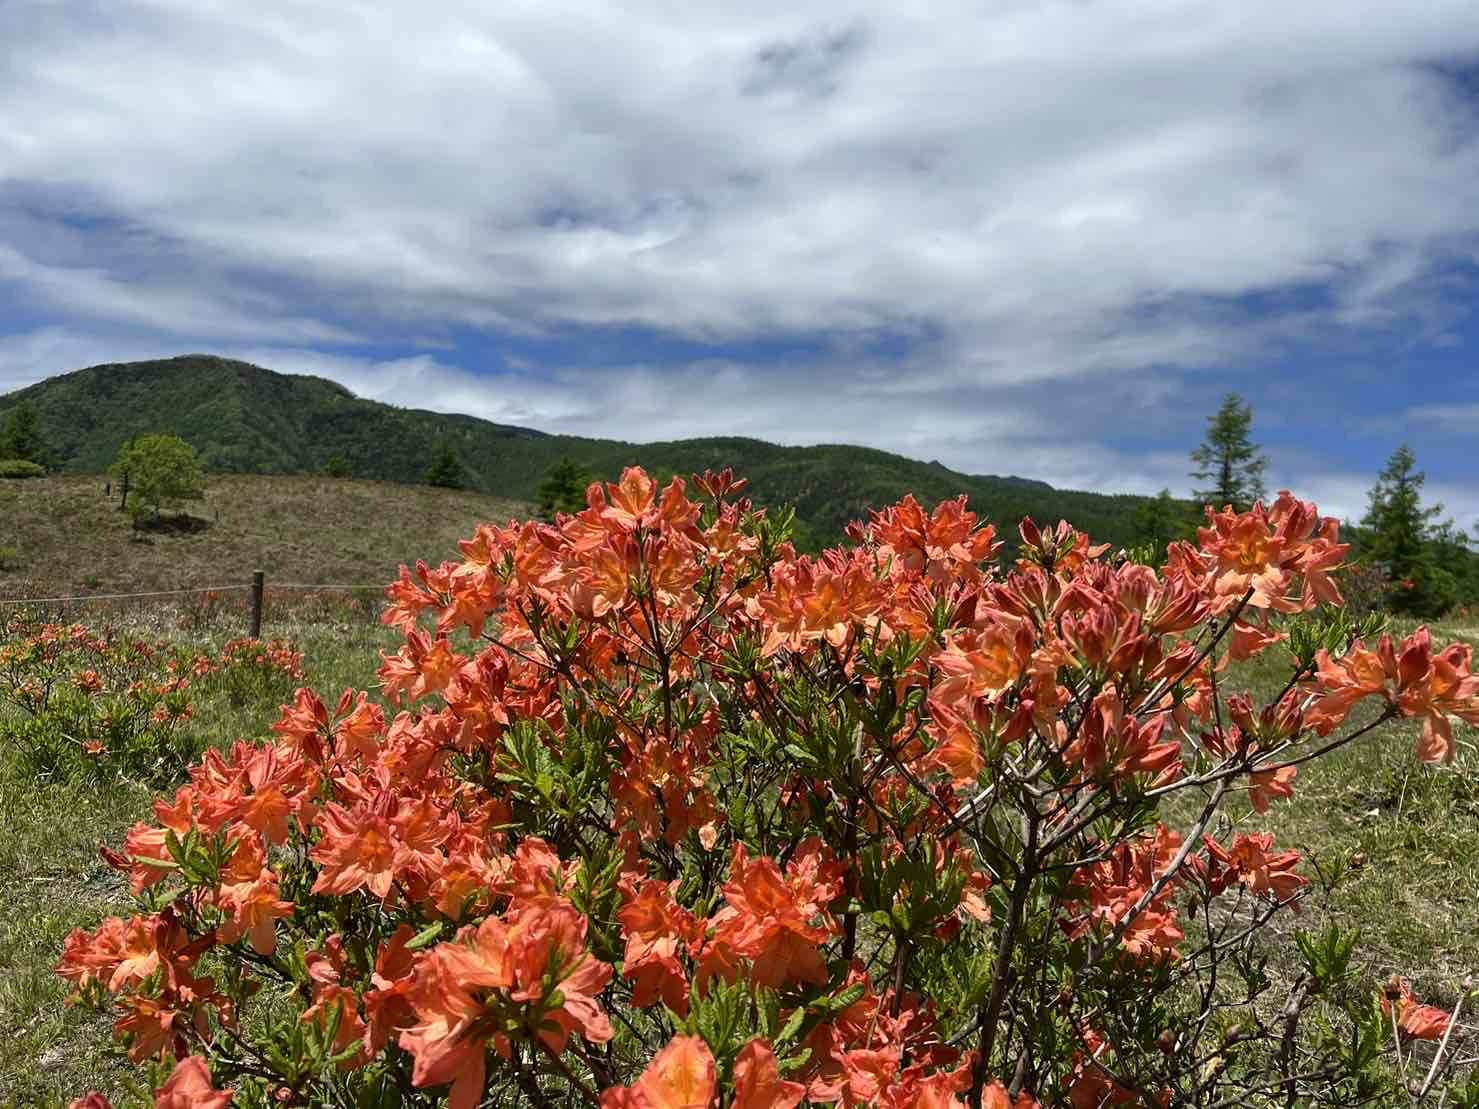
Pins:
x: 445, y: 469
x: 563, y: 489
x: 1228, y: 463
x: 21, y: 435
x: 1400, y: 533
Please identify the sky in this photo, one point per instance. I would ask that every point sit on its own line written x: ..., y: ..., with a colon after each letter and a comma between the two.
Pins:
x: 1041, y: 239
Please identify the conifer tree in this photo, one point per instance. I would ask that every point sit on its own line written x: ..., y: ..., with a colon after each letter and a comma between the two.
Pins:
x: 1400, y: 534
x: 563, y: 489
x: 446, y: 468
x: 20, y: 436
x: 1228, y: 463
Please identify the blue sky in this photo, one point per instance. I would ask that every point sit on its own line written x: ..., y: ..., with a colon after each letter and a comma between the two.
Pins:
x: 1032, y: 238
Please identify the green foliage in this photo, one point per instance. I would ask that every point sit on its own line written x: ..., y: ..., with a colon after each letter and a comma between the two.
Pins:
x: 163, y: 473
x: 1160, y: 520
x: 337, y: 466
x: 18, y: 469
x: 1332, y: 630
x: 1228, y: 463
x: 20, y: 437
x: 445, y: 470
x: 563, y: 490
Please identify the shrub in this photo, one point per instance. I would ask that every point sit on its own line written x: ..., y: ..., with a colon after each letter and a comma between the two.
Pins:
x: 337, y: 466
x: 18, y: 469
x: 667, y: 815
x: 91, y: 702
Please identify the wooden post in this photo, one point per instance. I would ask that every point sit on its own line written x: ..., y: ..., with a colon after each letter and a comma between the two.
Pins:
x: 257, y: 604
x: 123, y: 488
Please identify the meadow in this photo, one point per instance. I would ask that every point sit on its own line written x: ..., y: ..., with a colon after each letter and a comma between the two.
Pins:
x: 62, y: 535
x: 1392, y: 846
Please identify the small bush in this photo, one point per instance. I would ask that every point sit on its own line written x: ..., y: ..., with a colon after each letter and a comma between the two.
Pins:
x: 85, y: 702
x: 18, y: 469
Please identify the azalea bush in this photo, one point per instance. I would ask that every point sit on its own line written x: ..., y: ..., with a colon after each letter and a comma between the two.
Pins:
x: 76, y: 700
x: 657, y: 814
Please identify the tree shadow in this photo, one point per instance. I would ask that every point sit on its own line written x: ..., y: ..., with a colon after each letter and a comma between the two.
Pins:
x: 181, y: 523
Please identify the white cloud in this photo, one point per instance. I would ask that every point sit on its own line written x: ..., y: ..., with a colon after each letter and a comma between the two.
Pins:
x: 1053, y: 209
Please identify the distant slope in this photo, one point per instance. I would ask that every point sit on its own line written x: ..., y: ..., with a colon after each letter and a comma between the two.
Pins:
x: 246, y: 419
x: 62, y: 536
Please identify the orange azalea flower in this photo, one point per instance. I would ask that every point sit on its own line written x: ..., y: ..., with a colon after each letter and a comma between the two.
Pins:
x: 189, y: 1087
x: 1413, y: 678
x: 154, y: 1027
x: 631, y: 500
x: 118, y: 953
x: 984, y: 663
x: 1249, y: 859
x: 1269, y: 551
x: 424, y: 665
x: 1419, y: 1021
x: 1248, y: 640
x: 1113, y: 744
x: 681, y: 1076
x: 1248, y: 557
x: 779, y: 921
x: 1433, y: 686
x: 758, y: 1083
x: 304, y: 724
x: 1268, y: 784
x: 657, y: 931
x: 91, y: 1100
x: 358, y: 728
x: 252, y: 907
x: 357, y: 852
x: 535, y: 963
x: 1116, y: 885
x: 388, y: 1010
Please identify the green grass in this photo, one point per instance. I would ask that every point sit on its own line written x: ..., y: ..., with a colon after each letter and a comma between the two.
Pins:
x: 62, y: 536
x: 1398, y: 841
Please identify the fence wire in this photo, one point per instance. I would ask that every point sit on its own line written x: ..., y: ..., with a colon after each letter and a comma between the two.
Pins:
x: 11, y: 603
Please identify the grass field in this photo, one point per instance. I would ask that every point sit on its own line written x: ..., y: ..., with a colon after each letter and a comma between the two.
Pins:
x: 61, y: 535
x: 1414, y: 898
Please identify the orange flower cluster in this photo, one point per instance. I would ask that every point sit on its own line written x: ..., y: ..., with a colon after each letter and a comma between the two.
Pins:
x: 648, y: 755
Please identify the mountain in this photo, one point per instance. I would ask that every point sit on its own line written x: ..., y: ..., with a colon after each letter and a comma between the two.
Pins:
x: 246, y: 419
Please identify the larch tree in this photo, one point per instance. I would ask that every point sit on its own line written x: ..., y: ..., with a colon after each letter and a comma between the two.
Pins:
x: 1229, y: 464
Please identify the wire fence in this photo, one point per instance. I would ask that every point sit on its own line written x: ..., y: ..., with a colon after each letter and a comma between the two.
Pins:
x: 256, y: 589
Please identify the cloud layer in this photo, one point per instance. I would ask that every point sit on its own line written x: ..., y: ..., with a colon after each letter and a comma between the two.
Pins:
x: 1018, y: 237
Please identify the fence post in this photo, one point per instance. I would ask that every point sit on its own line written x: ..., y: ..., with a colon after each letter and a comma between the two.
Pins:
x: 257, y: 604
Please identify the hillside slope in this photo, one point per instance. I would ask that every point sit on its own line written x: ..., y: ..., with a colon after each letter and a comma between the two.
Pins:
x: 246, y: 419
x: 62, y: 536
